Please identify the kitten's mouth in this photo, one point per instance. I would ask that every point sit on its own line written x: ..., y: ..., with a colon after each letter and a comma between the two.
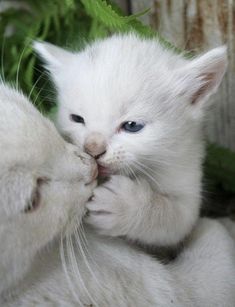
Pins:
x: 104, y: 171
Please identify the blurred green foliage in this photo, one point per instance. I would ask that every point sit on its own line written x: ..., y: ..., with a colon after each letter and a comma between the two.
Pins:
x: 220, y: 168
x: 69, y: 23
x: 72, y: 23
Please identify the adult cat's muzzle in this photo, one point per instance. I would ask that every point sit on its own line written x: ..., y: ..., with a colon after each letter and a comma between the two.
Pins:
x: 94, y: 173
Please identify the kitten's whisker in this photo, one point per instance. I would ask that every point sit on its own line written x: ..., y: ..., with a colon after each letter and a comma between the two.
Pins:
x: 144, y: 168
x: 138, y: 181
x: 161, y: 163
x: 147, y: 168
x: 144, y: 172
x: 133, y: 173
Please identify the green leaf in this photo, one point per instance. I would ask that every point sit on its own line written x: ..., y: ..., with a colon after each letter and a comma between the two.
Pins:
x: 219, y: 168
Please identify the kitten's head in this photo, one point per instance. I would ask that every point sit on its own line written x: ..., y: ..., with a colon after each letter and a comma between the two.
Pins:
x: 43, y: 180
x: 133, y: 105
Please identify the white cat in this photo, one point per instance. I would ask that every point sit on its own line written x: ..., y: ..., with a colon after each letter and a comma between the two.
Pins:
x: 43, y: 182
x: 118, y: 275
x: 138, y: 108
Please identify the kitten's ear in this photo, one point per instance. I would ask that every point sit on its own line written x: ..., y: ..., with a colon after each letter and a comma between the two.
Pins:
x: 203, y: 75
x: 55, y: 57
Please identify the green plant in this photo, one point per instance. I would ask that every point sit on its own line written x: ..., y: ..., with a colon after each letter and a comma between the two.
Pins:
x: 66, y: 22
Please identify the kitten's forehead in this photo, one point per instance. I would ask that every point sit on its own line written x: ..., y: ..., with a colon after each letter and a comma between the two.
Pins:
x: 115, y: 76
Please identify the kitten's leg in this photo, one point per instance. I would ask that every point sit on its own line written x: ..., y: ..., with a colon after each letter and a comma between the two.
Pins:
x: 207, y: 266
x: 126, y: 207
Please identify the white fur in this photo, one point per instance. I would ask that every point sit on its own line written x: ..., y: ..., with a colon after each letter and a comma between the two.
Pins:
x: 125, y: 78
x: 36, y: 164
x: 113, y: 274
x: 118, y: 275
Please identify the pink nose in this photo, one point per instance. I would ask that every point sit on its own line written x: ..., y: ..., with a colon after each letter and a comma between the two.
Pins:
x: 95, y: 145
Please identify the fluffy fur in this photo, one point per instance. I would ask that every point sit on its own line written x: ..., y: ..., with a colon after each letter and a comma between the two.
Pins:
x: 154, y: 192
x: 108, y: 272
x: 119, y: 275
x: 43, y: 181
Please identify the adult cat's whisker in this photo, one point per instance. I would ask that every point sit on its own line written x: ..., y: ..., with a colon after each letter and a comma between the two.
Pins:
x: 36, y: 98
x: 38, y: 70
x: 65, y: 269
x: 2, y: 57
x: 18, y: 66
x: 81, y: 235
x: 73, y: 241
x: 34, y: 86
x: 76, y: 273
x: 83, y: 253
x: 46, y: 90
x: 84, y: 240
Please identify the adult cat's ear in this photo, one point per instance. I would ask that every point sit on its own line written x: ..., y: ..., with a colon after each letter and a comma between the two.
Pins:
x: 19, y: 191
x: 202, y: 76
x: 55, y: 57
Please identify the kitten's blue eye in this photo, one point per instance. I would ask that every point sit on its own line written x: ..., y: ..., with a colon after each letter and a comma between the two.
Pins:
x: 77, y: 118
x: 132, y: 126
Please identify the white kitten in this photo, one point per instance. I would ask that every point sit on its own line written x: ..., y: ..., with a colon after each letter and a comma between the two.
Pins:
x: 138, y: 109
x: 43, y: 181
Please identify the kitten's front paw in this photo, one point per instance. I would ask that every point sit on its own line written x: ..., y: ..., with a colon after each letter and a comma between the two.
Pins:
x: 108, y: 210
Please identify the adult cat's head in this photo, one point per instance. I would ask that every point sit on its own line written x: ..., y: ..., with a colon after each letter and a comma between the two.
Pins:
x: 134, y: 105
x: 44, y: 181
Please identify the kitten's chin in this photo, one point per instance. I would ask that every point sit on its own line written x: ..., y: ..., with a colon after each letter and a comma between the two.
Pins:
x: 105, y: 172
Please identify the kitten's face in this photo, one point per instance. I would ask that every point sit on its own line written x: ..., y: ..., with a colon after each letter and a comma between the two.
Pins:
x: 132, y: 105
x: 126, y: 132
x: 44, y: 181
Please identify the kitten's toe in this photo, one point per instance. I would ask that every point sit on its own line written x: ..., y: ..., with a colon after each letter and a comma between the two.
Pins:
x: 98, y: 206
x: 100, y: 216
x: 100, y: 220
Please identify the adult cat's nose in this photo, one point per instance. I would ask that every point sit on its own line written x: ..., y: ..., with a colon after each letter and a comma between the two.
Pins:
x: 95, y: 145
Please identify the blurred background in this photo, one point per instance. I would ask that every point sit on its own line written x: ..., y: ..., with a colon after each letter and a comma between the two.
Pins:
x: 192, y: 25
